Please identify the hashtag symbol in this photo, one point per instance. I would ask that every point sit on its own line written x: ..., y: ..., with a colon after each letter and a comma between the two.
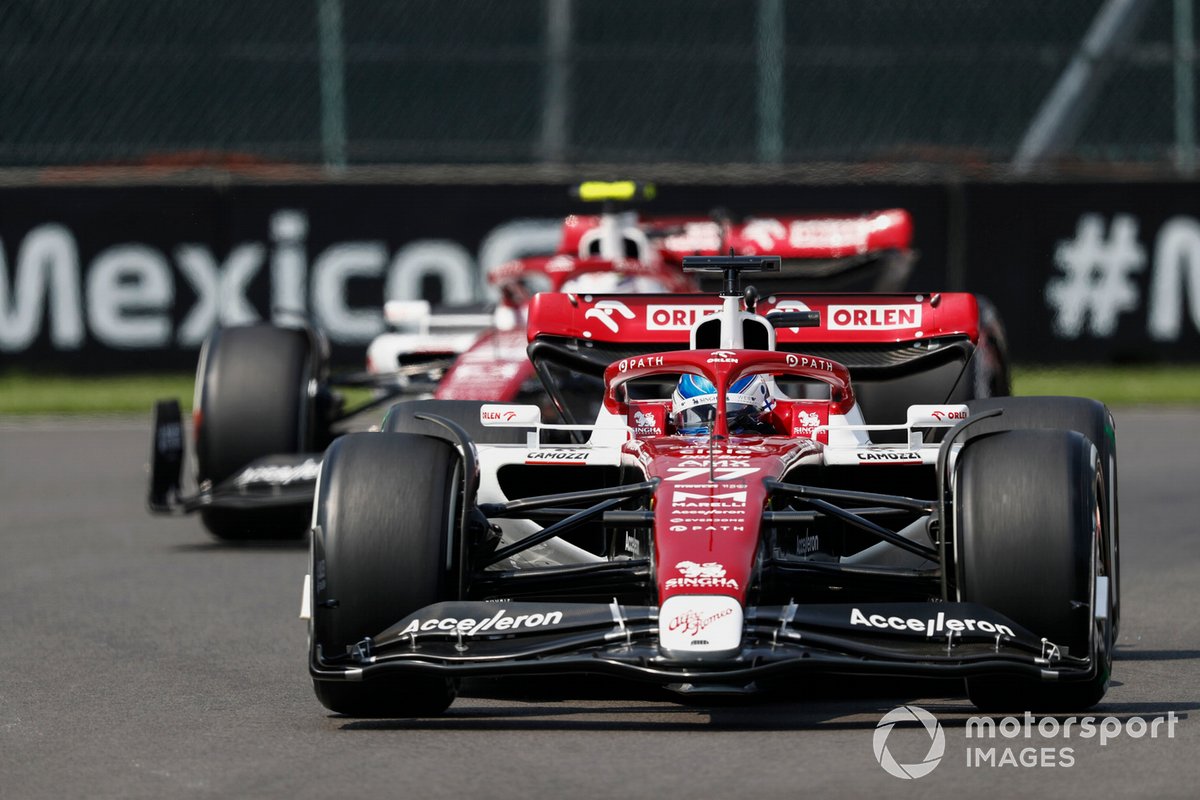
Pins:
x: 1097, y: 281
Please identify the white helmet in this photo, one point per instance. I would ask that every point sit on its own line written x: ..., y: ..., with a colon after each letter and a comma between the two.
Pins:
x: 694, y: 405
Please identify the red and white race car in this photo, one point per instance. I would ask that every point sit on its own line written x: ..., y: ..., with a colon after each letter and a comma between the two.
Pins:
x: 722, y: 505
x: 480, y: 354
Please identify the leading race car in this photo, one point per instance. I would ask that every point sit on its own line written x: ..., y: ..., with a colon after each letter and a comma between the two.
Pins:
x: 732, y: 513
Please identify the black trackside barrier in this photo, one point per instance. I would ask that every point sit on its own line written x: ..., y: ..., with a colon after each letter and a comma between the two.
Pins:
x: 131, y: 278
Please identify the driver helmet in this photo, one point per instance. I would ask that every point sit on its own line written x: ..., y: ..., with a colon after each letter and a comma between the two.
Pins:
x: 747, y: 403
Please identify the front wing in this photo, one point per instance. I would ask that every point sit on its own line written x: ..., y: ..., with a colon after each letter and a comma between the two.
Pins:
x: 461, y: 639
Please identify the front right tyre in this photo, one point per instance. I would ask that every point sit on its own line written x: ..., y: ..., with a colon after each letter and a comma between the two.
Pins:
x: 384, y: 545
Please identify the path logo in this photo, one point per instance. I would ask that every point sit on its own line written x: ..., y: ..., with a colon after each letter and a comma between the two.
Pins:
x: 937, y: 742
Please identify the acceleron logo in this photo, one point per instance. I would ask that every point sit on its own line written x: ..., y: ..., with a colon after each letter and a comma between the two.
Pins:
x: 907, y: 716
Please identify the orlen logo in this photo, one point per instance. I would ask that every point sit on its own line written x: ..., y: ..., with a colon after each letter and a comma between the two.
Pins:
x: 603, y: 311
x: 874, y: 318
x: 675, y: 317
x: 504, y: 416
x: 723, y: 357
x: 940, y: 415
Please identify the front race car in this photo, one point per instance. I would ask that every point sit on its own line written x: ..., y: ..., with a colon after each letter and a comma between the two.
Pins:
x: 469, y: 539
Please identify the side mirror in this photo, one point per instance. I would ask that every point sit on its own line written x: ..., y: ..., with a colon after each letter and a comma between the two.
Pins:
x: 795, y: 319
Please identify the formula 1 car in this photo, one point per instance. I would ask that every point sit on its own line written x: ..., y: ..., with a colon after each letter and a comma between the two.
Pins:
x: 267, y: 404
x: 764, y: 528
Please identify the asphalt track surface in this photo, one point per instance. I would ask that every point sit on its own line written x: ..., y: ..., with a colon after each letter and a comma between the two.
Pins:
x: 140, y: 658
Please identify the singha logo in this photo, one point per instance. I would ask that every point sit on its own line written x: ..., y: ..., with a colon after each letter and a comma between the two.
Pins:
x: 808, y: 419
x: 709, y: 575
x: 709, y: 569
x: 643, y: 420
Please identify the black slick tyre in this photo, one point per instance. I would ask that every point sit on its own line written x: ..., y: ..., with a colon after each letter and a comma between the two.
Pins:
x: 384, y: 545
x: 1029, y: 525
x: 253, y: 400
x: 1091, y: 418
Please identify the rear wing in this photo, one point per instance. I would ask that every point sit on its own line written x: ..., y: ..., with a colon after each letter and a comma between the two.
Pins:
x: 798, y: 237
x: 882, y: 339
x: 848, y: 319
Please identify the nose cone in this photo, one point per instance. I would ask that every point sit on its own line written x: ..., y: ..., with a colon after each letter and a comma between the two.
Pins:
x: 700, y: 627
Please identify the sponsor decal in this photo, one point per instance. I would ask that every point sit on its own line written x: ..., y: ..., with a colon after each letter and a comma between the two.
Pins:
x: 723, y: 357
x: 281, y: 474
x: 632, y: 545
x: 676, y: 317
x: 808, y: 545
x: 805, y: 422
x: 496, y: 413
x: 936, y: 415
x: 809, y: 361
x: 559, y: 264
x: 603, y: 312
x: 709, y: 575
x: 934, y: 626
x: 716, y: 500
x: 696, y: 237
x: 718, y: 473
x: 716, y: 462
x: 691, y: 623
x: 472, y: 627
x: 769, y: 234
x: 889, y: 457
x: 648, y: 420
x: 875, y: 317
x: 569, y: 457
x: 626, y: 364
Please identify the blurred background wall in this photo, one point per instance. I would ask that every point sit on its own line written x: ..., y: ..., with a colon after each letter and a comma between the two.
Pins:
x: 157, y: 156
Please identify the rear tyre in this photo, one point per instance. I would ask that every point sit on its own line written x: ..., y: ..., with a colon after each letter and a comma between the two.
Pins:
x: 1029, y: 512
x: 402, y: 418
x: 252, y: 394
x: 384, y: 545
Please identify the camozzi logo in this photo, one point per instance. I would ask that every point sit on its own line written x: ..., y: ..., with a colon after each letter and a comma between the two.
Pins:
x: 908, y: 716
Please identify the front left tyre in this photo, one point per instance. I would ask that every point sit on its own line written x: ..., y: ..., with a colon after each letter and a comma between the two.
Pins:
x: 1029, y: 522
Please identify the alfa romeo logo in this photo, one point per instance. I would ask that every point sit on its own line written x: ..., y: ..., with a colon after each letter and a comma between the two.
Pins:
x: 937, y: 742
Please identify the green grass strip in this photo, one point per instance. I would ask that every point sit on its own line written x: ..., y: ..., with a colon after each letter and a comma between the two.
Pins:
x: 26, y: 393
x: 1115, y: 386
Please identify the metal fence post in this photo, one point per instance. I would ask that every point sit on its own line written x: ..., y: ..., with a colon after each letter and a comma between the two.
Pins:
x: 1185, y: 89
x: 770, y: 44
x: 333, y: 83
x: 556, y: 83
